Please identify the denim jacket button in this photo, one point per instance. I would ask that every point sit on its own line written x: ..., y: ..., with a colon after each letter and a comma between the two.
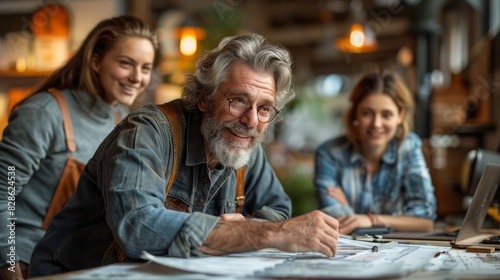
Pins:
x: 200, y: 201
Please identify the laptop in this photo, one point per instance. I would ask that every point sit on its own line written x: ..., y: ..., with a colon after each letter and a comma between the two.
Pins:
x: 470, y: 233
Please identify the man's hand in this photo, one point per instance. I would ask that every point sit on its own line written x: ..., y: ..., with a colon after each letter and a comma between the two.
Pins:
x: 352, y: 222
x: 338, y: 194
x: 314, y: 231
x: 311, y: 232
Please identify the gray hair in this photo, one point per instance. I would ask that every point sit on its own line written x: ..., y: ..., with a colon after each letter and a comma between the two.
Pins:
x: 252, y: 49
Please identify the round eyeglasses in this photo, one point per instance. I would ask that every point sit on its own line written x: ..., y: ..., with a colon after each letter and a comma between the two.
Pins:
x: 240, y: 106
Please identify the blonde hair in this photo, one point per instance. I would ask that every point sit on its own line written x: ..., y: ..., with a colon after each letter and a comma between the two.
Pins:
x: 387, y: 83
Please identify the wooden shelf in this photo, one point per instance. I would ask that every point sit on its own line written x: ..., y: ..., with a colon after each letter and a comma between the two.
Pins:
x: 475, y: 128
x: 27, y: 74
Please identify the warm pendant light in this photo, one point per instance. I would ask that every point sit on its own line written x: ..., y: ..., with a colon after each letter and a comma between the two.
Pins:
x: 357, y: 41
x: 190, y: 33
x: 188, y: 42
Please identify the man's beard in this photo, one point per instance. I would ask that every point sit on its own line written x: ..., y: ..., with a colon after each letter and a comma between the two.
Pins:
x: 232, y: 154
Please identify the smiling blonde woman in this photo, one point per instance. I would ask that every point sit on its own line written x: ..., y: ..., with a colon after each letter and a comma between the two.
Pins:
x: 53, y: 133
x: 376, y: 174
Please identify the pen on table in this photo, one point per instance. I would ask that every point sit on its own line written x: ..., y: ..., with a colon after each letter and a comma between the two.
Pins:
x: 384, y: 246
x: 439, y: 254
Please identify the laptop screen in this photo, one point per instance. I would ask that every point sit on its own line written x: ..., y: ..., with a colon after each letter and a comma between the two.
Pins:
x: 483, y: 196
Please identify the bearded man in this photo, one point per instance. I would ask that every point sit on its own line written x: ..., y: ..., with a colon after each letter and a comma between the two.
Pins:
x: 143, y: 192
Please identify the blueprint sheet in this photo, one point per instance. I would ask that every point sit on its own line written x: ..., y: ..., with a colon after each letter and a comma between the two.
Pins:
x: 460, y: 264
x: 354, y: 260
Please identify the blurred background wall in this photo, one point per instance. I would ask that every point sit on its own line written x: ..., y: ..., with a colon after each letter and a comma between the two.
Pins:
x: 447, y: 51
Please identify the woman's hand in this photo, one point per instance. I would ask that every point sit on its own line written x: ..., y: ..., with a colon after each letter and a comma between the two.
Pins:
x: 351, y: 222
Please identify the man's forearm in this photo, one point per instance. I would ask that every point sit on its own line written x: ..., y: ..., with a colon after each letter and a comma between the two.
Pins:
x: 312, y: 232
x: 240, y: 236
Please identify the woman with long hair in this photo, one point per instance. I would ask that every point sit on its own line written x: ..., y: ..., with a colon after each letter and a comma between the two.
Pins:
x: 53, y: 133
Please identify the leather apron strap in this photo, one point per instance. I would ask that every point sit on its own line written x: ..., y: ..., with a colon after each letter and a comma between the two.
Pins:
x: 176, y: 125
x: 117, y: 117
x: 240, y: 189
x: 68, y: 125
x: 72, y: 170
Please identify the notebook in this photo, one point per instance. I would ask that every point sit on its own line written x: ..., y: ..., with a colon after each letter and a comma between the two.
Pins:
x: 470, y: 232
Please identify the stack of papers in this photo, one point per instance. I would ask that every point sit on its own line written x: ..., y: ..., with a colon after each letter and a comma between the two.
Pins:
x: 391, y: 262
x: 354, y: 260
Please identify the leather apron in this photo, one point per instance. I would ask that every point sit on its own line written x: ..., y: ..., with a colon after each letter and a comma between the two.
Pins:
x: 73, y: 168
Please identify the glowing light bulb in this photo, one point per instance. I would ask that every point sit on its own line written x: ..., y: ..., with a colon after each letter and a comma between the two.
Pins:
x: 21, y: 64
x: 357, y: 36
x: 357, y: 41
x: 188, y: 42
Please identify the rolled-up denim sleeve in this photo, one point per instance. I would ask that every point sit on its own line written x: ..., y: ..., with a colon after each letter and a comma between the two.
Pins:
x: 420, y: 200
x: 269, y: 214
x: 192, y: 235
x: 325, y: 175
x: 338, y: 210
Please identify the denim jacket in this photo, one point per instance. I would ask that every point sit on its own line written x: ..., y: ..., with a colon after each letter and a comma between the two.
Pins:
x: 401, y: 186
x: 121, y: 196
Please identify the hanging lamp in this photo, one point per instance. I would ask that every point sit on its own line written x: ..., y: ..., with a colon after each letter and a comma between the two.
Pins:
x: 359, y: 39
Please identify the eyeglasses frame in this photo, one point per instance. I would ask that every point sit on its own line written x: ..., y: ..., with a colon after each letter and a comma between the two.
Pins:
x: 249, y: 109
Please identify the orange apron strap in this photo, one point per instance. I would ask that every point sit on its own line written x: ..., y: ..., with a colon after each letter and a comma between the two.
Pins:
x: 117, y: 117
x: 68, y: 126
x: 240, y: 189
x: 71, y: 172
x: 176, y: 125
x: 65, y: 188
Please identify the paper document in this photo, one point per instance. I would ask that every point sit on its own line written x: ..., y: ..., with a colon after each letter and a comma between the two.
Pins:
x: 354, y: 260
x: 396, y: 261
x: 217, y: 265
x: 465, y: 265
x: 352, y: 254
x: 123, y: 272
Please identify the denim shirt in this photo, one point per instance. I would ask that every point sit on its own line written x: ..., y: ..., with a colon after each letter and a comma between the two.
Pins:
x: 121, y: 195
x: 401, y: 186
